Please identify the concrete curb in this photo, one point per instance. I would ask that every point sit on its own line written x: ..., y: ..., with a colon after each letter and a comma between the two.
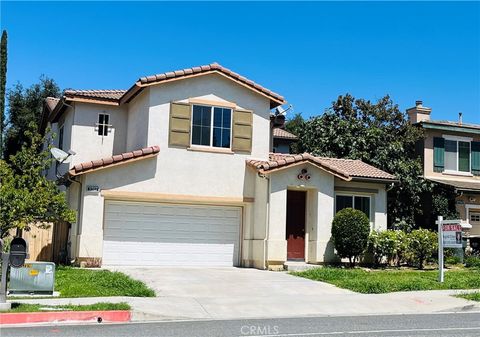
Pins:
x: 107, y: 316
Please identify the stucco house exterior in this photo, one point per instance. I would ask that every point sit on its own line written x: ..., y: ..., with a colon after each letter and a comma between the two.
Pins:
x: 450, y: 154
x: 178, y: 170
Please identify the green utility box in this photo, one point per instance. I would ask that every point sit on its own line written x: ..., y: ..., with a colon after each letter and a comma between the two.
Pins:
x: 32, y: 278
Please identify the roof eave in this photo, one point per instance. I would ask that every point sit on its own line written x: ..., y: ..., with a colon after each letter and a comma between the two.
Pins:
x: 373, y: 179
x: 459, y: 128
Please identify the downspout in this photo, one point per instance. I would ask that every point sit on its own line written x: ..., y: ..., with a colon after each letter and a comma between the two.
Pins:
x: 267, y: 219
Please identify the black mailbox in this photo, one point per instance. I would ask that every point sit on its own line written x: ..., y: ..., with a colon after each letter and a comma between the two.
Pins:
x: 18, y: 252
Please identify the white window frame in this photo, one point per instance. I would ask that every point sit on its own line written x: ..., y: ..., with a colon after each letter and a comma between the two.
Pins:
x: 97, y: 124
x: 371, y: 217
x: 212, y: 109
x: 457, y: 139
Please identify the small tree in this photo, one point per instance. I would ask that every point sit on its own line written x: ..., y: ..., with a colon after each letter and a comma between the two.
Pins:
x: 422, y: 243
x: 27, y: 197
x: 350, y: 230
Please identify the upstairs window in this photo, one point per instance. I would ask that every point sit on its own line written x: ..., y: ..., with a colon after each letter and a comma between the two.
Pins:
x: 357, y: 202
x: 456, y: 155
x: 211, y: 126
x: 103, y: 124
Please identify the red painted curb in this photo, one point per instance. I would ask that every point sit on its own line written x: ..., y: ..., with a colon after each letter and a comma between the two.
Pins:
x: 65, y: 316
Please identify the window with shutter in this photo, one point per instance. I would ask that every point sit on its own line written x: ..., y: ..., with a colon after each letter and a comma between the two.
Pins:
x: 438, y: 154
x: 476, y: 158
x: 179, y: 128
x: 242, y: 131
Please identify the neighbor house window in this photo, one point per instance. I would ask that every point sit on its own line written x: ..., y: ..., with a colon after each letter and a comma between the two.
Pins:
x: 453, y: 154
x: 360, y: 203
x: 457, y: 155
x: 211, y: 126
x: 103, y: 124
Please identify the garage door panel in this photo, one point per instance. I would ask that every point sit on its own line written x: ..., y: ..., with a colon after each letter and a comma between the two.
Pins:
x: 169, y: 234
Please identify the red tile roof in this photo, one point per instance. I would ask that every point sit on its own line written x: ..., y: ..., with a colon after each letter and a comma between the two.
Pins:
x: 114, y: 160
x: 346, y: 169
x: 113, y: 95
x: 283, y: 134
x: 124, y: 96
x: 177, y: 74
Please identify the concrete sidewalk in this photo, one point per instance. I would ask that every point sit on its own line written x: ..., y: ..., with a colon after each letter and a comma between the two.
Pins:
x: 232, y: 293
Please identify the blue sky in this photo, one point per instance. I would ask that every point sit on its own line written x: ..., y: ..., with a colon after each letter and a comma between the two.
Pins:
x: 309, y: 52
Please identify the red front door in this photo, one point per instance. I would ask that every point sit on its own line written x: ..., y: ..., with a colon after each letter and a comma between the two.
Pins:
x: 296, y: 225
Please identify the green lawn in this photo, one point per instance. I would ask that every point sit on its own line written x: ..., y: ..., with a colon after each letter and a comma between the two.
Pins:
x: 385, y: 281
x: 471, y: 296
x: 77, y: 282
x: 24, y: 307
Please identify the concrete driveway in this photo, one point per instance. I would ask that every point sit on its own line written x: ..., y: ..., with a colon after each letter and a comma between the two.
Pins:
x: 226, y: 293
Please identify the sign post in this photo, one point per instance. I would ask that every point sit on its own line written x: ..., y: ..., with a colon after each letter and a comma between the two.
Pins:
x: 449, y: 236
x: 440, y: 249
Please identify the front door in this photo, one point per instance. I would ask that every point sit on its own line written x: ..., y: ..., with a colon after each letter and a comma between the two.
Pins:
x: 296, y: 225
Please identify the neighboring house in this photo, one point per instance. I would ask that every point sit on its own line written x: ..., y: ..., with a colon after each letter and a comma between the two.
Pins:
x: 450, y: 154
x: 178, y: 170
x: 282, y: 140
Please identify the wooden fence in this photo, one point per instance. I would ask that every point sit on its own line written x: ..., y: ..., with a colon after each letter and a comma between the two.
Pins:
x: 47, y: 244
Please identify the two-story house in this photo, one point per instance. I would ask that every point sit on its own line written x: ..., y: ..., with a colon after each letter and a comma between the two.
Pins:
x: 178, y: 171
x: 450, y: 153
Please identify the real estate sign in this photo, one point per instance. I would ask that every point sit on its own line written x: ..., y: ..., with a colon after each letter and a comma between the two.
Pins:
x: 452, y: 236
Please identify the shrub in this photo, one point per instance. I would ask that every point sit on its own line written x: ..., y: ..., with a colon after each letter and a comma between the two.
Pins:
x: 472, y: 262
x: 422, y: 243
x: 452, y: 260
x: 384, y: 245
x: 402, y: 247
x: 350, y: 230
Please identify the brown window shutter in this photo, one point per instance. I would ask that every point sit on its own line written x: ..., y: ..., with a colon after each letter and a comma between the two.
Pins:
x: 242, y: 131
x: 179, y: 129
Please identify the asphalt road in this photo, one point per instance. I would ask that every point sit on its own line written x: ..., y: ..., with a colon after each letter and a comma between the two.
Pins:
x: 458, y: 325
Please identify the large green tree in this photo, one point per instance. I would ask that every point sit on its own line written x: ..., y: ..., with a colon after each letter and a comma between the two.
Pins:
x: 3, y: 82
x: 295, y: 126
x: 379, y: 134
x: 27, y: 197
x: 24, y: 108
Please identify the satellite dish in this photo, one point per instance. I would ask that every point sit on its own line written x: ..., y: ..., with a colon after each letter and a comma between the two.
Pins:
x: 281, y: 111
x: 60, y: 155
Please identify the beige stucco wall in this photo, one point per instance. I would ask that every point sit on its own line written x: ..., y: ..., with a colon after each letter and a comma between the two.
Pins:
x: 86, y: 142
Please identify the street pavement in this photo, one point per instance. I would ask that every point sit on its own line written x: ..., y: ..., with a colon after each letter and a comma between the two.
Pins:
x: 245, y: 293
x: 446, y: 324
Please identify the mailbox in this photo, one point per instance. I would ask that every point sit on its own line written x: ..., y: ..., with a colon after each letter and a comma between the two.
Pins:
x: 18, y: 252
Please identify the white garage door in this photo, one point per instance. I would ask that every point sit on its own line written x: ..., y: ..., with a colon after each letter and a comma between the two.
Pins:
x: 155, y: 234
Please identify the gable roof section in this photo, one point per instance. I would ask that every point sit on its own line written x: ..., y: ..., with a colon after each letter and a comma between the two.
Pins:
x: 283, y: 134
x: 118, y: 97
x: 275, y: 99
x: 127, y: 157
x: 346, y: 169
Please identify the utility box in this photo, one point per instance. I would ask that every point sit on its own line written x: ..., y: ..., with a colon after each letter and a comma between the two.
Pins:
x: 32, y: 278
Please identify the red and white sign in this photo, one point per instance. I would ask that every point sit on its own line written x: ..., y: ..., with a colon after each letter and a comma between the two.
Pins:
x: 452, y: 236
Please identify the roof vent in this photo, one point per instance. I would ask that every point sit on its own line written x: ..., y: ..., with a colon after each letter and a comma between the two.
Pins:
x: 418, y: 103
x: 460, y: 118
